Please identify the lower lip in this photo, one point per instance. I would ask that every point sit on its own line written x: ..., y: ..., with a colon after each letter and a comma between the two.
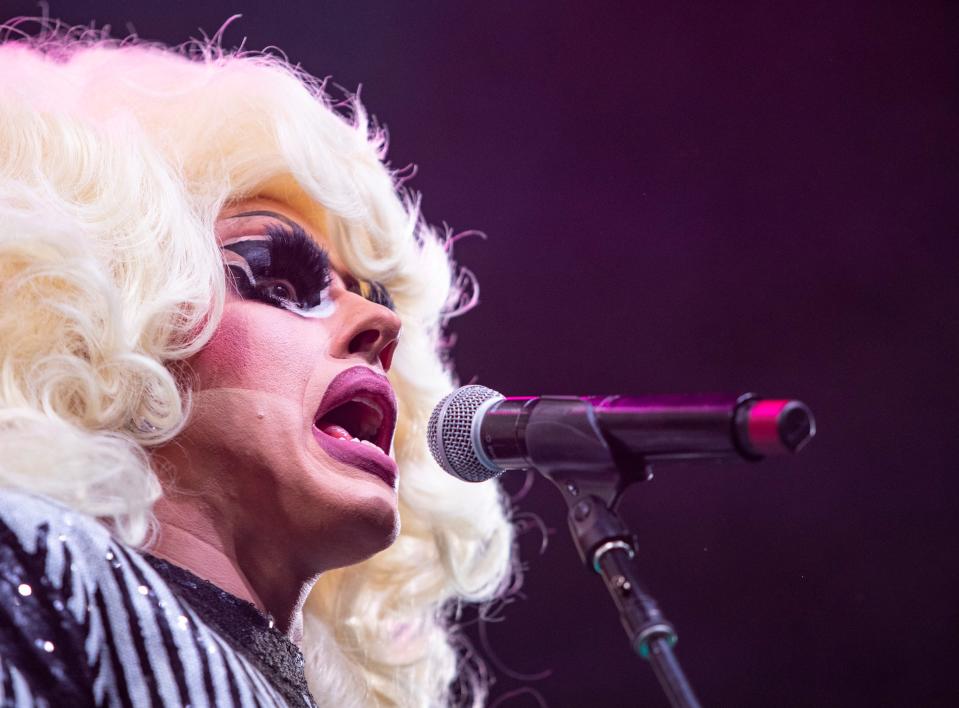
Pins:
x: 363, y: 457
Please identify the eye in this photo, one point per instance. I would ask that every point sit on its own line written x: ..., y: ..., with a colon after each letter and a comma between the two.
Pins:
x: 276, y: 290
x: 287, y: 268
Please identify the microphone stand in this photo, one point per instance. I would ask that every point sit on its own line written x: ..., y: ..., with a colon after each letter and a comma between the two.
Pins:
x: 592, y: 480
x: 605, y: 544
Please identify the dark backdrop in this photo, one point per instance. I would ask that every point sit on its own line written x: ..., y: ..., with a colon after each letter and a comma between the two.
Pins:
x: 693, y: 198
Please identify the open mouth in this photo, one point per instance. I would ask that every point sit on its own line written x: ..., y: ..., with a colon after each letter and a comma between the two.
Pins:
x: 361, y: 419
x: 358, y: 406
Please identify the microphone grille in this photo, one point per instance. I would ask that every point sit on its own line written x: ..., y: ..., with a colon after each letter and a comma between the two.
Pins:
x: 450, y: 433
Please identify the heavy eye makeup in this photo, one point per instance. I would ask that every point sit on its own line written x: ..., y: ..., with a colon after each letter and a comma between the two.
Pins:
x: 286, y: 268
x: 374, y: 292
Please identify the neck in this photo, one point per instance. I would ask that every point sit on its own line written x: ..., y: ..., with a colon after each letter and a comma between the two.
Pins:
x: 196, y: 537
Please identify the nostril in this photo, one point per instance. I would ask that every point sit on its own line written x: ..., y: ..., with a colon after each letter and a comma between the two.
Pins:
x: 386, y: 356
x: 364, y: 341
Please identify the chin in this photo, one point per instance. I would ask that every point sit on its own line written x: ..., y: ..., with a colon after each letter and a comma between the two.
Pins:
x: 355, y: 505
x: 373, y: 527
x: 380, y: 540
x: 377, y: 522
x: 346, y: 516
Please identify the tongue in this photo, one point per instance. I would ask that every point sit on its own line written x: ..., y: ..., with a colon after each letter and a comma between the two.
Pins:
x: 336, y: 431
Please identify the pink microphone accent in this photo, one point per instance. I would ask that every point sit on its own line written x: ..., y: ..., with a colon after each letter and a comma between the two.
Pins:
x: 763, y: 427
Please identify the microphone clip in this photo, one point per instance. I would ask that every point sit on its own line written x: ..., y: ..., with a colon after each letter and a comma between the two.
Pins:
x: 590, y: 465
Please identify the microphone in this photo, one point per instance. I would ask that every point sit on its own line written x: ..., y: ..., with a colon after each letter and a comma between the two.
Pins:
x: 476, y: 433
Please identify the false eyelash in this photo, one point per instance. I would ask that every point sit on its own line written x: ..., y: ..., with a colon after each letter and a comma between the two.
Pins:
x: 299, y: 259
x: 287, y: 254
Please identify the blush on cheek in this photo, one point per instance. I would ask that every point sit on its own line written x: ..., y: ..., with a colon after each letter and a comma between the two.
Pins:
x: 258, y: 347
x: 227, y: 353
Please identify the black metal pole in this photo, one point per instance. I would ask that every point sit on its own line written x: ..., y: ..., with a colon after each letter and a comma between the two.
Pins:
x: 605, y: 543
x: 670, y: 674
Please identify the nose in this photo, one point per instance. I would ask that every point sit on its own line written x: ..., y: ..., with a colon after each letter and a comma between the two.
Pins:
x: 368, y: 330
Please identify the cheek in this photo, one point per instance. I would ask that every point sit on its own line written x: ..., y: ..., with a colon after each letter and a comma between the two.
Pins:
x: 258, y: 347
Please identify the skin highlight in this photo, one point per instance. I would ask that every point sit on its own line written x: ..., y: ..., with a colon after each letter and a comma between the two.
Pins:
x: 251, y: 501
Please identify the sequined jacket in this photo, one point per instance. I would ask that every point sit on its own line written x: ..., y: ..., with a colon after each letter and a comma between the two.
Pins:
x: 86, y: 620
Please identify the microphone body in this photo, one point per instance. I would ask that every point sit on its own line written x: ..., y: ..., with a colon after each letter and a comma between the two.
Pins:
x: 475, y: 433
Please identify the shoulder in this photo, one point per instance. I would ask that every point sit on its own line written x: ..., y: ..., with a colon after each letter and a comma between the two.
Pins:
x: 30, y: 518
x: 84, y: 619
x: 52, y: 558
x: 50, y: 541
x: 87, y: 620
x: 47, y: 553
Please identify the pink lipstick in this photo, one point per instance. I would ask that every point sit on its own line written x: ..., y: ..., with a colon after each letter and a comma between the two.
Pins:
x: 355, y: 422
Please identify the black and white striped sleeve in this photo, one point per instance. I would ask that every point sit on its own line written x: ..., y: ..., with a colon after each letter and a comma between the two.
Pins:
x: 85, y: 620
x: 45, y: 619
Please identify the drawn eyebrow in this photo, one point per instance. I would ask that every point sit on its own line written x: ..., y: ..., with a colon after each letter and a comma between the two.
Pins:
x: 265, y: 212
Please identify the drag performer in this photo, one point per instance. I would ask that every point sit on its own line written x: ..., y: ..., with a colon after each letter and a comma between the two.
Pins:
x: 221, y: 335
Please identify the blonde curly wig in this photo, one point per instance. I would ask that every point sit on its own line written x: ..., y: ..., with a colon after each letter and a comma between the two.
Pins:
x: 115, y: 159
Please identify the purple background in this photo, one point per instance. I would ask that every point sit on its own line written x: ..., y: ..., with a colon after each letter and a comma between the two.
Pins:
x: 691, y: 199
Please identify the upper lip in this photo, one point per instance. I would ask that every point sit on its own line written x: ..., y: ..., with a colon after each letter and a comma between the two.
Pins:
x: 360, y: 384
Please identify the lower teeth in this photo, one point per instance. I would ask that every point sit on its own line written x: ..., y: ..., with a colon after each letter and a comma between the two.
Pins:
x: 367, y: 443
